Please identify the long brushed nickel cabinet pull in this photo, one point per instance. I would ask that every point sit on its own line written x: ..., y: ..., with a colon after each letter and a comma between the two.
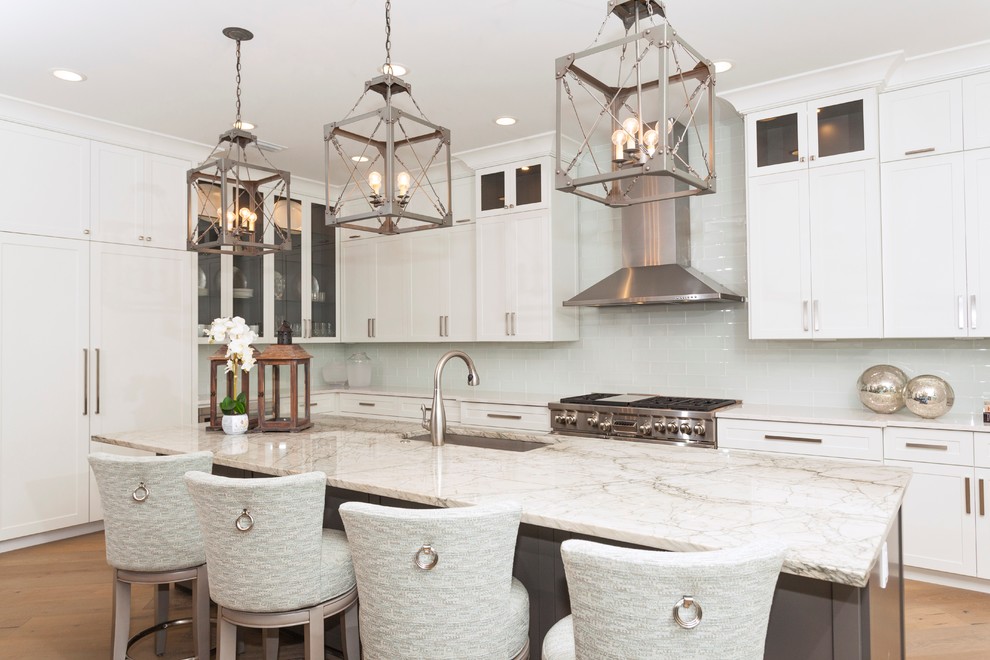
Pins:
x: 925, y: 445
x: 97, y: 381
x: 85, y: 381
x: 982, y: 500
x: 926, y: 150
x: 816, y: 441
x: 500, y: 416
x: 365, y: 403
x: 968, y: 507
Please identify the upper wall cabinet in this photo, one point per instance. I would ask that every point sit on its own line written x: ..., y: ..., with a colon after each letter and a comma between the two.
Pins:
x: 976, y: 111
x: 518, y: 186
x: 921, y: 121
x: 48, y: 175
x: 836, y: 129
x: 138, y: 198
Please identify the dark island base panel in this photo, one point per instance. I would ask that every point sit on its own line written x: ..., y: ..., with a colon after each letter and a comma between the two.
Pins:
x: 810, y: 619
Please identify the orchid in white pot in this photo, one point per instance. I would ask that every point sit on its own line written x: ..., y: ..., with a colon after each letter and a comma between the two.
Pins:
x: 240, y: 357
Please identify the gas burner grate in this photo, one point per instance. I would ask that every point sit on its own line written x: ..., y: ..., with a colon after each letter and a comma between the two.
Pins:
x: 587, y: 398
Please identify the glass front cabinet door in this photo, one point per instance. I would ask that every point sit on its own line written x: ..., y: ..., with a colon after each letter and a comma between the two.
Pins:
x: 837, y: 129
x: 518, y: 186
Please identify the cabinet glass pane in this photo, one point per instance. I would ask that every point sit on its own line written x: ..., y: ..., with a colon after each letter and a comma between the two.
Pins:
x: 528, y: 189
x: 288, y: 269
x: 249, y: 292
x: 492, y: 191
x: 207, y: 285
x: 840, y: 128
x: 324, y: 274
x: 777, y: 140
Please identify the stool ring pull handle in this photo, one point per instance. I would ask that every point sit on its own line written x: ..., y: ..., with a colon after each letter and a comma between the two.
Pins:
x: 140, y: 493
x: 426, y: 558
x: 244, y: 522
x: 693, y: 609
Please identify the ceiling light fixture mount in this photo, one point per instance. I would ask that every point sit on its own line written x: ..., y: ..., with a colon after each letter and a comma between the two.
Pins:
x: 387, y: 169
x: 653, y: 118
x: 233, y: 196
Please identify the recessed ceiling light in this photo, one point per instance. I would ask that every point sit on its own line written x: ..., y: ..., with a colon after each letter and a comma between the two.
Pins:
x: 360, y: 159
x: 722, y: 66
x: 395, y: 69
x: 245, y: 125
x: 67, y: 75
x: 505, y: 121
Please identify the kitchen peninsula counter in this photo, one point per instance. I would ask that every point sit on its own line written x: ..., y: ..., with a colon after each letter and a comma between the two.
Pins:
x: 834, y: 515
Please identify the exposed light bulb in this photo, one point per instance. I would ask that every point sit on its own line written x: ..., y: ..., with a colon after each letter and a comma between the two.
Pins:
x: 650, y: 140
x: 631, y: 126
x: 619, y: 140
x: 402, y: 180
x: 375, y: 181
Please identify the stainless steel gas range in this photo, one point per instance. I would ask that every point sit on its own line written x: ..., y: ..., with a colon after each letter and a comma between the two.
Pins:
x: 671, y: 420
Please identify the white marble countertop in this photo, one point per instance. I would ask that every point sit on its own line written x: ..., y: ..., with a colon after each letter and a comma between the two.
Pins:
x: 952, y: 420
x: 833, y: 514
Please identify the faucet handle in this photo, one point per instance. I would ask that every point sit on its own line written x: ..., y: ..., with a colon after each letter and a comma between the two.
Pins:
x: 426, y: 418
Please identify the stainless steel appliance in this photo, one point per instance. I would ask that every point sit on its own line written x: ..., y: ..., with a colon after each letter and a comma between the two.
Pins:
x: 670, y: 420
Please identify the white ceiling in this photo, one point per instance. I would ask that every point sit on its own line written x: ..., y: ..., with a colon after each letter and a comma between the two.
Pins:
x: 165, y: 65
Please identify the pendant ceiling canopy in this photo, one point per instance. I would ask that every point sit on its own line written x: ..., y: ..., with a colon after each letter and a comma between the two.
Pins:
x: 640, y: 106
x: 236, y: 194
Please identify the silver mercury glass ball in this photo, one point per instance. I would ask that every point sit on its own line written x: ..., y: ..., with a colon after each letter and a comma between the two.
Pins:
x: 881, y: 388
x: 928, y: 396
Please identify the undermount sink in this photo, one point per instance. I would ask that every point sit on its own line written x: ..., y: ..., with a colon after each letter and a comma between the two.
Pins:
x: 486, y: 443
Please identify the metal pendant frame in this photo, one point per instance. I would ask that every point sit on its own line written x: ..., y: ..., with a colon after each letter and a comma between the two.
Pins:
x: 228, y: 182
x: 393, y: 140
x: 665, y: 81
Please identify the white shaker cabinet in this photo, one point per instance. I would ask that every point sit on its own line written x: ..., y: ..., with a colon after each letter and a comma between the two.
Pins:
x: 976, y: 111
x: 48, y: 174
x: 376, y: 289
x: 814, y: 244
x: 359, y: 288
x: 513, y: 187
x: 441, y: 276
x: 45, y: 397
x: 525, y: 272
x: 925, y: 290
x: 921, y: 121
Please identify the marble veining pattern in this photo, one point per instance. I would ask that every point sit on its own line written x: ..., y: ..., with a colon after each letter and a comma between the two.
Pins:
x: 834, y: 514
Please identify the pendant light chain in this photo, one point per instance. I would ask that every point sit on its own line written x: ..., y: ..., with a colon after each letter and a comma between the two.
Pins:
x: 388, y: 37
x: 238, y: 119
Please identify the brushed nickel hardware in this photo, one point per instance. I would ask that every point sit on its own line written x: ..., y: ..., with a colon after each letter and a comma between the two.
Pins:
x: 374, y: 327
x: 85, y: 381
x: 86, y: 231
x: 926, y: 150
x: 671, y: 427
x: 816, y: 315
x: 426, y: 558
x: 446, y: 326
x: 502, y: 416
x: 513, y: 324
x: 811, y: 157
x: 962, y: 317
x: 97, y: 381
x: 147, y: 238
x: 507, y: 323
x: 354, y: 236
x: 687, y: 603
x: 685, y: 428
x: 802, y: 159
x: 460, y: 221
x: 925, y: 445
x: 438, y: 420
x: 440, y: 320
x: 365, y: 403
x: 982, y: 500
x: 699, y: 428
x: 140, y: 238
x: 140, y: 493
x: 244, y: 522
x: 968, y: 509
x: 794, y: 438
x: 804, y: 314
x: 972, y: 311
x: 369, y: 327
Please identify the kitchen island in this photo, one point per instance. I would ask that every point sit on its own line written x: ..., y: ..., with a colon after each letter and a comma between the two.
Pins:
x: 839, y: 595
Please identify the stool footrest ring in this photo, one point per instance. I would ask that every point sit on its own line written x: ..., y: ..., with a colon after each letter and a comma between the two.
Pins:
x: 158, y: 628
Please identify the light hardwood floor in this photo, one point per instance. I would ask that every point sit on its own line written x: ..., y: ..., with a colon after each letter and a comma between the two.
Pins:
x: 55, y: 603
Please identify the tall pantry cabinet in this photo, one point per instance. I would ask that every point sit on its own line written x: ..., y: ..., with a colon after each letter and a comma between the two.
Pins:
x: 94, y: 325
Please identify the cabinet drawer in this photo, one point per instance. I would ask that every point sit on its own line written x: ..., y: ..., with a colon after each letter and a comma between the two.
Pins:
x: 928, y: 446
x: 832, y: 440
x: 323, y: 403
x: 981, y: 450
x: 527, y: 418
x: 399, y: 407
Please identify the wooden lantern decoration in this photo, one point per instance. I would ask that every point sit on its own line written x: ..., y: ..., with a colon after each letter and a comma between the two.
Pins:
x: 218, y: 364
x: 290, y: 407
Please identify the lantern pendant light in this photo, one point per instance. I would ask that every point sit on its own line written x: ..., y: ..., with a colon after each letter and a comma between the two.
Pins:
x: 387, y: 169
x: 640, y: 111
x: 232, y: 195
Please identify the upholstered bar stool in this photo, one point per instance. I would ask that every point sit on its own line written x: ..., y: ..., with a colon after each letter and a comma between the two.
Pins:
x: 653, y: 605
x: 272, y: 564
x: 153, y: 537
x: 438, y: 583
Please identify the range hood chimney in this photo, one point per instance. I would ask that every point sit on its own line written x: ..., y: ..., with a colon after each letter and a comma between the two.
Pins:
x: 656, y: 258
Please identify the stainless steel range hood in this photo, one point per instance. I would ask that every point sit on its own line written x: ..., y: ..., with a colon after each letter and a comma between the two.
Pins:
x: 656, y: 255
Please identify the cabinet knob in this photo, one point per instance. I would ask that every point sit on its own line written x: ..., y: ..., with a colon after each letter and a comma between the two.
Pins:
x: 140, y: 238
x: 802, y: 159
x: 512, y: 206
x: 811, y: 157
x: 147, y: 238
x: 86, y: 231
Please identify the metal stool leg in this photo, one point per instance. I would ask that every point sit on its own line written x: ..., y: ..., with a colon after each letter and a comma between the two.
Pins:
x: 161, y: 615
x: 351, y: 642
x: 269, y: 643
x: 314, y: 634
x: 226, y: 638
x: 201, y: 613
x: 120, y: 628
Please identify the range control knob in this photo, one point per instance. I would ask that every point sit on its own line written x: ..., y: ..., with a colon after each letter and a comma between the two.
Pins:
x: 699, y: 428
x: 660, y: 426
x: 570, y: 419
x: 671, y: 427
x: 685, y: 428
x: 605, y: 425
x: 593, y: 419
x: 558, y: 419
x: 644, y: 428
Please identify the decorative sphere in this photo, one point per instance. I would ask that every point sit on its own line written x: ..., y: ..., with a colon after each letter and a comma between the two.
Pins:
x: 881, y: 388
x: 928, y: 396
